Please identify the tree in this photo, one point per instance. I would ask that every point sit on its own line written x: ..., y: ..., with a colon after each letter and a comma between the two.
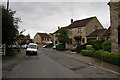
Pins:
x: 9, y: 26
x: 63, y: 36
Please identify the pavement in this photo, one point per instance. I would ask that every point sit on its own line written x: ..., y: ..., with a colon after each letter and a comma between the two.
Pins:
x: 12, y: 61
x: 91, y: 61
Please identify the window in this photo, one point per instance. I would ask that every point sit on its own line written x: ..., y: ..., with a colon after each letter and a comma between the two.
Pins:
x: 80, y: 30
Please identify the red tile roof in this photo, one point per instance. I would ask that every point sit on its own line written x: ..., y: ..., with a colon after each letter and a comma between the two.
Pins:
x: 80, y: 23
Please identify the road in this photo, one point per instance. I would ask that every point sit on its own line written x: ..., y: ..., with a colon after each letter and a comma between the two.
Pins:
x: 49, y: 64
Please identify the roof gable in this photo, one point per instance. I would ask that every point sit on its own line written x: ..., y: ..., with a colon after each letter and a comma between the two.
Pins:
x: 97, y: 33
x: 60, y: 29
x: 44, y: 35
x: 80, y: 23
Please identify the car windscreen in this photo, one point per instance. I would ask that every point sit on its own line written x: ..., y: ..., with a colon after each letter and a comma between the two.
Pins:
x: 32, y: 46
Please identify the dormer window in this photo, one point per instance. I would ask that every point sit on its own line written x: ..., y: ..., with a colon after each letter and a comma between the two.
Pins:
x: 80, y: 30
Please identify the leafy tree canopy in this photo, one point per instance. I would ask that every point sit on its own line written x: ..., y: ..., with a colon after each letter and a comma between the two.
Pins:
x: 63, y: 36
x: 9, y: 26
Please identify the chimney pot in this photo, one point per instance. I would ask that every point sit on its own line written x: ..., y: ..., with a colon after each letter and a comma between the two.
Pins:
x: 58, y: 27
x: 71, y: 21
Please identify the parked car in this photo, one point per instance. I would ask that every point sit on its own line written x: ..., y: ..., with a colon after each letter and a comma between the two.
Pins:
x: 54, y: 47
x: 74, y: 48
x: 32, y: 49
x: 14, y: 47
x: 24, y: 46
x: 44, y: 46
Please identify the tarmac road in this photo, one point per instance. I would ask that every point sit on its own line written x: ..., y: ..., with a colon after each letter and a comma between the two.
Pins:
x: 48, y: 64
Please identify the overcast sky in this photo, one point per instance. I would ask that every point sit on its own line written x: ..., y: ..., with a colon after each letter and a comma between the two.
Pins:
x: 47, y: 16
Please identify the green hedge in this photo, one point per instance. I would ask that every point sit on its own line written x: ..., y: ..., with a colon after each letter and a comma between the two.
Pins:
x: 97, y: 44
x: 106, y: 46
x: 87, y: 52
x: 113, y: 58
x: 106, y: 56
x: 60, y: 47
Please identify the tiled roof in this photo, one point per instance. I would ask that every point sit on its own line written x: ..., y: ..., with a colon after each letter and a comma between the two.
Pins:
x: 80, y: 23
x: 60, y: 29
x: 97, y: 33
x: 44, y: 35
x: 107, y: 32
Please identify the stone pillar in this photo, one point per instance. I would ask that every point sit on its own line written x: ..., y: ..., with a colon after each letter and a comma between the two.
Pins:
x: 114, y: 20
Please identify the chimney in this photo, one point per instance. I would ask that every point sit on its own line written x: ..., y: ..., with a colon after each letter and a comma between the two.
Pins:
x: 71, y: 21
x: 58, y: 27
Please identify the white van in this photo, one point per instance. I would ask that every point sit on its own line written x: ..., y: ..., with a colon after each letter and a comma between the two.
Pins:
x: 32, y: 49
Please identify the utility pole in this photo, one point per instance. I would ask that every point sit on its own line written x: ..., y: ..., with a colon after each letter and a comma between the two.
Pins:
x: 7, y: 5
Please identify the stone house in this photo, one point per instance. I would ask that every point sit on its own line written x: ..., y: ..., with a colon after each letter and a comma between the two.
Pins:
x: 80, y: 29
x: 115, y: 25
x: 51, y: 35
x: 42, y: 39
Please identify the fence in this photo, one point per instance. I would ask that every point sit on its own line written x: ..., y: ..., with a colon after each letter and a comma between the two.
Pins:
x: 2, y: 49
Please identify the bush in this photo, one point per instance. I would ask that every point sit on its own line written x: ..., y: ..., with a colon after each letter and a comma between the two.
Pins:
x: 97, y: 54
x: 106, y: 46
x: 97, y: 44
x: 60, y: 47
x: 13, y: 52
x: 89, y: 47
x: 87, y: 52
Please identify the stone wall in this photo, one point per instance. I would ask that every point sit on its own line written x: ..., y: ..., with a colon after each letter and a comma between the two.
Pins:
x: 115, y: 22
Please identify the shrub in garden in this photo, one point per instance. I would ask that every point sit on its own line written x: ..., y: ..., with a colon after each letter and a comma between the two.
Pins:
x: 106, y: 46
x: 89, y: 47
x: 87, y: 52
x: 97, y: 54
x: 60, y: 47
x: 97, y: 44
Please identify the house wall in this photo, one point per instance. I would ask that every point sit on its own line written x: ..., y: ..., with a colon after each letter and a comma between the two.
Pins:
x: 45, y: 40
x: 55, y: 39
x: 115, y: 22
x: 90, y: 26
x: 76, y: 33
x: 37, y: 39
